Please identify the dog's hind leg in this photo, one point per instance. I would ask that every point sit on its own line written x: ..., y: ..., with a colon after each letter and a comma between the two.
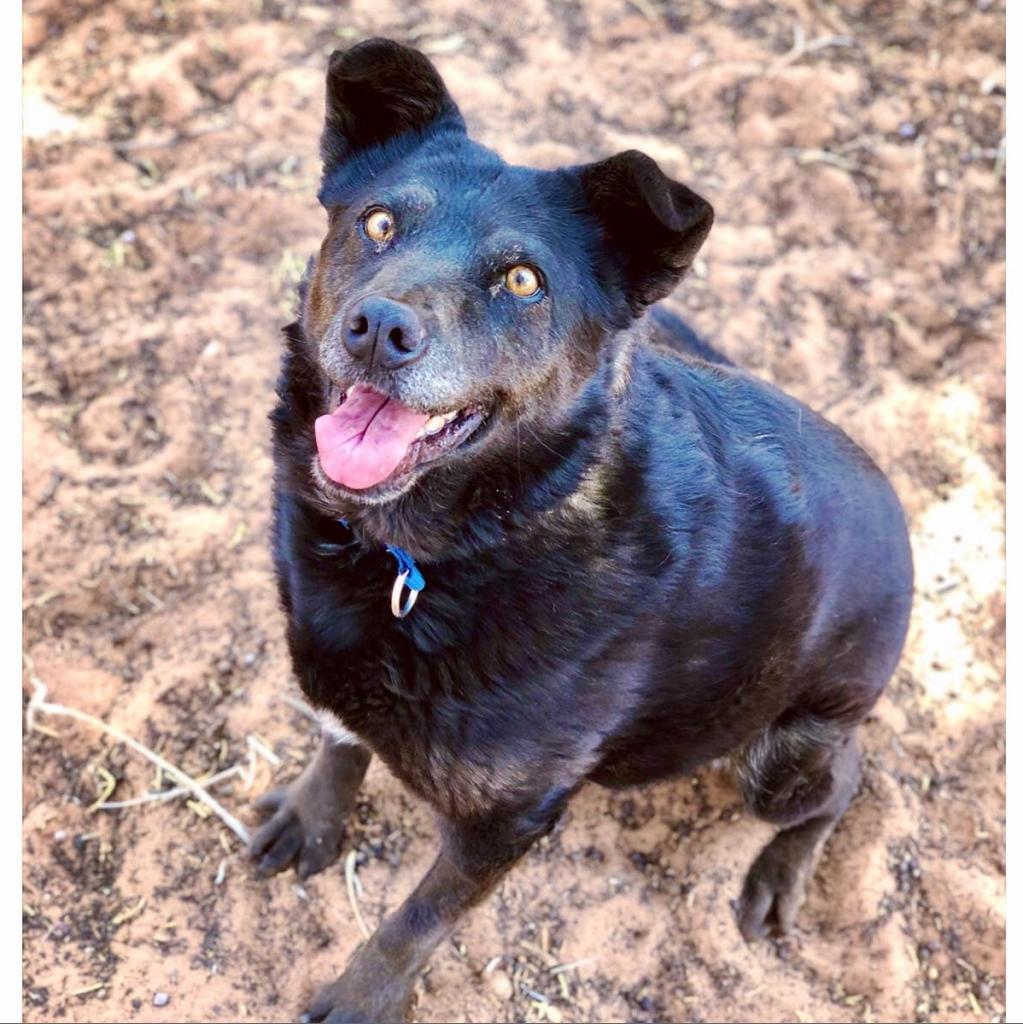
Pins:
x: 306, y: 818
x: 800, y: 774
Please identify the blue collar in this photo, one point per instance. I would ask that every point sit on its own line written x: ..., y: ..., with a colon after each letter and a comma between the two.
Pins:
x: 409, y: 578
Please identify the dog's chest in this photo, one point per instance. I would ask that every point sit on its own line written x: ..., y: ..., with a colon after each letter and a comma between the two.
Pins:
x: 496, y: 676
x: 451, y: 752
x: 463, y: 724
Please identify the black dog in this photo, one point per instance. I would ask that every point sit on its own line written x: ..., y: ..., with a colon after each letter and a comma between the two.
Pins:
x: 635, y: 559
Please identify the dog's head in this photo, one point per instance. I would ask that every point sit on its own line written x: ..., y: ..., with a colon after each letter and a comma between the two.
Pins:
x: 455, y: 297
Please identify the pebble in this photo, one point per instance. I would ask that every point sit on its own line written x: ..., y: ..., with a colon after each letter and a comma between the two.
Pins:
x: 502, y: 985
x: 161, y: 999
x: 907, y: 130
x: 34, y: 31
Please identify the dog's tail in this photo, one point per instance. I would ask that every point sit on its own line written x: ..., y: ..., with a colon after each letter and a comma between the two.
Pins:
x: 672, y: 332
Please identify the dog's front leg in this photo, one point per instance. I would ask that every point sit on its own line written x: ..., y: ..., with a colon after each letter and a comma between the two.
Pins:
x: 307, y: 818
x: 377, y: 985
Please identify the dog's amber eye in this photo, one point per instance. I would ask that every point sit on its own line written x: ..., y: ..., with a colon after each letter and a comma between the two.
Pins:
x: 379, y: 224
x: 522, y: 281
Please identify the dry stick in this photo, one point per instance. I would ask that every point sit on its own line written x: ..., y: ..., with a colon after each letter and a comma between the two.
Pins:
x: 352, y: 897
x: 800, y: 47
x: 38, y: 704
x: 823, y: 156
x: 574, y: 964
x: 257, y: 746
x: 167, y: 794
x: 300, y: 706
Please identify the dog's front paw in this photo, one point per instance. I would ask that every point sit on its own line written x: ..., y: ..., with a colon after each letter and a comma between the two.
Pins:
x: 296, y: 830
x: 336, y: 1015
x: 775, y: 888
x: 359, y: 998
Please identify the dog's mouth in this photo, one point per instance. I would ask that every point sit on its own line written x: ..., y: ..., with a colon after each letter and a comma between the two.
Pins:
x: 370, y: 437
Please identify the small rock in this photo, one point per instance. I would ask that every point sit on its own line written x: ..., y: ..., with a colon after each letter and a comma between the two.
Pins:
x: 441, y: 47
x: 59, y: 836
x: 34, y: 30
x: 907, y: 130
x: 161, y: 999
x: 502, y: 985
x: 993, y: 83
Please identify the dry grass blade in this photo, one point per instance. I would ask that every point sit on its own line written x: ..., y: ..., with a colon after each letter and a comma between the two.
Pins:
x: 561, y: 968
x: 94, y: 987
x: 129, y: 913
x: 539, y: 952
x: 823, y: 156
x: 109, y: 785
x: 801, y: 47
x: 299, y: 706
x: 259, y: 746
x: 353, y: 898
x: 167, y: 794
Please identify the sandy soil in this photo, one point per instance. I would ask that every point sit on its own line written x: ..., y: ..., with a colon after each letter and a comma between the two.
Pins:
x: 853, y: 153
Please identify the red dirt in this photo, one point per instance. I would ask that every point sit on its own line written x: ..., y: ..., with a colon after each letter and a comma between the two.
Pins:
x: 857, y: 260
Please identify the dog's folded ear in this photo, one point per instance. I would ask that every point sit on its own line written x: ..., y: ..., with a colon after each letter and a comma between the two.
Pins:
x: 653, y: 225
x: 376, y: 91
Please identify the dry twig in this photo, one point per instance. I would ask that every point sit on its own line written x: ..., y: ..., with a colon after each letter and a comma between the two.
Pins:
x: 353, y: 899
x: 801, y: 47
x: 39, y: 705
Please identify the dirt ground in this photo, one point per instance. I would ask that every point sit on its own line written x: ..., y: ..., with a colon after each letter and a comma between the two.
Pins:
x: 854, y: 154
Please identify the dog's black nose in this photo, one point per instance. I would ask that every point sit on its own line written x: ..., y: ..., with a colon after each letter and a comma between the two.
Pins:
x: 382, y: 332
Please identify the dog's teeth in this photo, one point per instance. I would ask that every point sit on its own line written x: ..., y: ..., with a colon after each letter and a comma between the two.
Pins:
x: 449, y: 416
x: 434, y: 423
x: 421, y: 434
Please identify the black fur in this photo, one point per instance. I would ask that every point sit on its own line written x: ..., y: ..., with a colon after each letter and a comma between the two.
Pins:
x: 645, y: 559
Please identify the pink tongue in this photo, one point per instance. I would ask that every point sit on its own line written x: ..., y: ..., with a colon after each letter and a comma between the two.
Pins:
x: 364, y: 440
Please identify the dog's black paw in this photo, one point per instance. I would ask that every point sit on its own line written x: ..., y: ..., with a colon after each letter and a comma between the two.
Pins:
x: 295, y: 832
x: 338, y: 1015
x: 362, y: 995
x: 775, y: 889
